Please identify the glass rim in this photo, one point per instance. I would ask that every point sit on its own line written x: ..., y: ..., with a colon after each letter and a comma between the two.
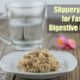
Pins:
x: 22, y: 4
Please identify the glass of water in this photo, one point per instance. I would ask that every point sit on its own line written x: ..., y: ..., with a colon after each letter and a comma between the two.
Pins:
x: 26, y: 21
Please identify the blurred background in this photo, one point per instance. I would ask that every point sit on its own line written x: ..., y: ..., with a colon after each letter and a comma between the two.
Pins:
x: 49, y: 37
x: 65, y: 2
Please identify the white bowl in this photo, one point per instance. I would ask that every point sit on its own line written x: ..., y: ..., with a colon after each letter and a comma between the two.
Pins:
x: 67, y: 64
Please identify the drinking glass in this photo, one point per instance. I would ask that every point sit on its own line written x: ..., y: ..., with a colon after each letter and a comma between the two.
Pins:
x: 26, y: 21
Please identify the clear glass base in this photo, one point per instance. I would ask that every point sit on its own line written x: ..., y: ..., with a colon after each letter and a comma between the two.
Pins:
x: 24, y: 48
